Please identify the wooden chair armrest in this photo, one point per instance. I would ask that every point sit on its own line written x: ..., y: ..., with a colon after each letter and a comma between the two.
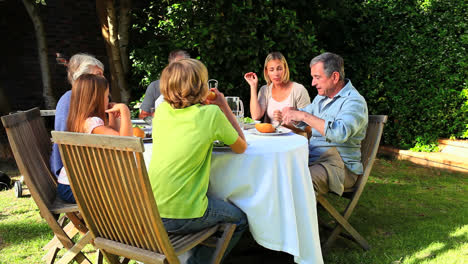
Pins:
x: 307, y: 132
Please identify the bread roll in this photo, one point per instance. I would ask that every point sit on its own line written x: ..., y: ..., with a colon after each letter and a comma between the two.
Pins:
x: 265, y: 128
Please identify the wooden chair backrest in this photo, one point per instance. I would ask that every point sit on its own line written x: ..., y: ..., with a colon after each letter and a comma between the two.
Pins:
x: 30, y: 157
x: 110, y: 183
x: 41, y: 135
x: 369, y: 147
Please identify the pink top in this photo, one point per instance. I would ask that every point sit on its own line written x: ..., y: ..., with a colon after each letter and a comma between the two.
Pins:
x: 90, y: 124
x: 274, y: 105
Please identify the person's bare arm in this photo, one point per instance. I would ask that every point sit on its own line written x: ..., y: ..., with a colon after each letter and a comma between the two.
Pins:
x: 290, y: 115
x: 221, y: 102
x: 125, y: 127
x: 256, y: 110
x: 239, y: 146
x: 144, y: 114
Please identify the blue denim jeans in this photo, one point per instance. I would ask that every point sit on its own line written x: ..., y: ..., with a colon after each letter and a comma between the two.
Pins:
x: 65, y: 193
x: 218, y: 211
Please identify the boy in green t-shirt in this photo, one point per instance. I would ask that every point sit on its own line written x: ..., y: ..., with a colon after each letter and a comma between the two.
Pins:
x: 183, y: 133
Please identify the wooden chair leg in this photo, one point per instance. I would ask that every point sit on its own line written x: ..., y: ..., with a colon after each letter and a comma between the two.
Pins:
x: 78, y: 223
x: 55, y: 245
x: 69, y: 229
x: 100, y: 257
x: 50, y: 256
x: 343, y: 224
x: 124, y: 260
x: 52, y: 243
x: 75, y: 251
x: 223, y: 243
x: 111, y: 258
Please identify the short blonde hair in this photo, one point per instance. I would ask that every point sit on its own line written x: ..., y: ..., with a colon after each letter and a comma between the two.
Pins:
x: 184, y: 83
x: 276, y: 56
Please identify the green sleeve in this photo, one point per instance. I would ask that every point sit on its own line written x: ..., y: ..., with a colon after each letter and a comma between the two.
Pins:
x: 224, y: 131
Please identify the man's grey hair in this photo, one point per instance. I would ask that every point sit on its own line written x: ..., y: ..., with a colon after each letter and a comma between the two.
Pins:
x: 80, y: 64
x: 178, y: 54
x: 331, y: 63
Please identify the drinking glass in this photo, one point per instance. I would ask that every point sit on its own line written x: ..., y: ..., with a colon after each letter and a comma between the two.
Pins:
x: 212, y: 83
x: 237, y: 108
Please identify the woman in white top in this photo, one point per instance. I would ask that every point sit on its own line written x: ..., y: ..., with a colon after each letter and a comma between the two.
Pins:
x: 89, y: 105
x: 279, y: 92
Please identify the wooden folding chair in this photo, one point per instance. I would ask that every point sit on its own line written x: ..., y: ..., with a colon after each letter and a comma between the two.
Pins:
x: 109, y: 179
x: 30, y: 144
x: 369, y: 148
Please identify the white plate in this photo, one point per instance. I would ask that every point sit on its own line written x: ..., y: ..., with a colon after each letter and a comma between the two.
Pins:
x: 138, y: 122
x: 279, y: 131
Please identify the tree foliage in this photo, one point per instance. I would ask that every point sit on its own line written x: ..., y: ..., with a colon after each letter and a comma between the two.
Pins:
x: 229, y: 37
x: 406, y: 57
x: 412, y: 65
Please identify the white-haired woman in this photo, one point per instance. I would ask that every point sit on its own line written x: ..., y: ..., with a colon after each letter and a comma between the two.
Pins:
x: 78, y: 65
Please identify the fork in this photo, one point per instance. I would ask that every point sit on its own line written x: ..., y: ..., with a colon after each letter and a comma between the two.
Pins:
x: 278, y: 125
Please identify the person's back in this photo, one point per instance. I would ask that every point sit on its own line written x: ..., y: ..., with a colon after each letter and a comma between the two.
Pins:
x: 78, y: 65
x: 153, y: 91
x: 87, y: 114
x: 184, y: 138
x: 183, y: 133
x: 60, y: 124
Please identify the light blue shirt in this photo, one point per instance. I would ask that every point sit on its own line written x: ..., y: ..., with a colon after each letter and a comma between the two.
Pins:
x: 61, y: 116
x: 346, y: 120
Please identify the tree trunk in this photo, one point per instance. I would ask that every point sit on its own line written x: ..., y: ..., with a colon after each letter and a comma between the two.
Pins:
x: 124, y: 25
x: 102, y: 15
x: 116, y: 58
x: 33, y: 12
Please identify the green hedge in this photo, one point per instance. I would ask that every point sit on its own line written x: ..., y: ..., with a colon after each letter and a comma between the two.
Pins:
x: 407, y: 57
x: 415, y: 68
x: 230, y: 38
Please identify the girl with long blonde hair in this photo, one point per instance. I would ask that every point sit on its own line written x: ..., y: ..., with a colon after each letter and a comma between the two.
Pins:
x: 89, y: 107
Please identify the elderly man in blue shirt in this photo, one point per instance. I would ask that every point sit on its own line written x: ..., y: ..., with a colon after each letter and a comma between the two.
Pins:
x: 338, y: 117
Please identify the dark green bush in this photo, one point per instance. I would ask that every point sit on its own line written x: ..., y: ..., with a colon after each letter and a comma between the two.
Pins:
x: 229, y: 37
x: 412, y: 65
x: 406, y: 57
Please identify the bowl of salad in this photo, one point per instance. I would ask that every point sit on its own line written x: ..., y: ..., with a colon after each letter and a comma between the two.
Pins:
x: 249, y: 123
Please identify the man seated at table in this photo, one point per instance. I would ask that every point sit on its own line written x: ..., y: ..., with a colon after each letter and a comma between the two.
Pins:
x: 153, y: 91
x: 338, y: 117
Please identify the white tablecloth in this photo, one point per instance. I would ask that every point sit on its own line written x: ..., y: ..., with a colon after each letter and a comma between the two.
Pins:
x: 271, y: 183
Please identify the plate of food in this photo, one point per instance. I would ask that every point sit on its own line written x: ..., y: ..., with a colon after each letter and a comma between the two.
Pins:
x: 249, y: 123
x: 266, y: 129
x: 219, y: 145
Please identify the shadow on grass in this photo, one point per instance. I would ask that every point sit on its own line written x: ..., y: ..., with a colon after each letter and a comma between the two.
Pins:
x: 14, y: 233
x: 247, y: 251
x: 407, y: 213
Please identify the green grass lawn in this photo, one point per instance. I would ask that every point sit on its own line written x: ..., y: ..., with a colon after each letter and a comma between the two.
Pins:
x: 409, y: 214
